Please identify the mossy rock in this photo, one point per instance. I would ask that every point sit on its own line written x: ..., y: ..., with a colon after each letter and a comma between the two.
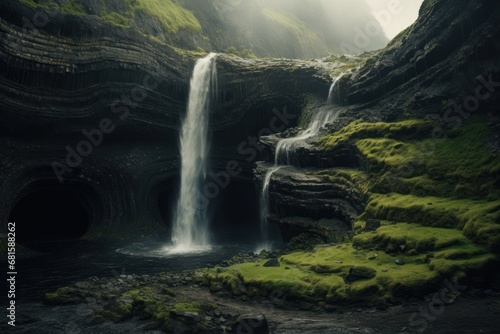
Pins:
x: 118, y: 309
x: 322, y: 272
x: 63, y: 296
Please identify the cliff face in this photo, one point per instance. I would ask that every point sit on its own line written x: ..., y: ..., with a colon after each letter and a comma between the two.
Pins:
x: 273, y: 28
x: 418, y: 125
x: 93, y: 110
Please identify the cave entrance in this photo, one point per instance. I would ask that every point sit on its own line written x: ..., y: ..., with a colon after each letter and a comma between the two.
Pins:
x: 49, y: 214
x: 235, y: 213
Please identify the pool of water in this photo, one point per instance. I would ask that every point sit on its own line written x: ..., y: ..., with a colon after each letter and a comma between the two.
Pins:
x: 69, y: 261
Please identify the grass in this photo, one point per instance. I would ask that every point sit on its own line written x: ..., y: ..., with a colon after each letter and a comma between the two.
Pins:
x: 411, y: 177
x: 478, y: 219
x: 319, y: 275
x: 242, y: 53
x: 171, y: 16
x: 358, y: 129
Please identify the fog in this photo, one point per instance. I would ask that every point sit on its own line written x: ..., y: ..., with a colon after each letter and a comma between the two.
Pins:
x: 309, y: 28
x: 407, y: 14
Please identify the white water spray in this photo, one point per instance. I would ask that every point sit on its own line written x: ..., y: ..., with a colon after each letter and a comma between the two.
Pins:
x: 190, y: 229
x: 285, y: 150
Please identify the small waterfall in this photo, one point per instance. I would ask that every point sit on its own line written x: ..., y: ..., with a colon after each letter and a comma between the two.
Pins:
x: 264, y: 210
x: 284, y: 155
x: 190, y: 229
x: 329, y: 100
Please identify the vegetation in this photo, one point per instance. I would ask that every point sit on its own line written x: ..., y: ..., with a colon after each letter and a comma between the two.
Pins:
x: 242, y: 53
x: 447, y: 182
x: 323, y: 274
x: 170, y: 15
x: 359, y: 129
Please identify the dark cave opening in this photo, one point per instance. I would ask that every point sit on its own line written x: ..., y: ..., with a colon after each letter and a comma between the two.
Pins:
x: 233, y: 213
x: 50, y: 214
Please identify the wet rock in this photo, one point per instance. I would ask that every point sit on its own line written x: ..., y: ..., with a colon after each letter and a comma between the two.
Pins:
x: 272, y: 263
x: 117, y: 309
x: 330, y: 308
x: 63, y: 296
x: 382, y: 306
x: 188, y: 317
x: 255, y: 324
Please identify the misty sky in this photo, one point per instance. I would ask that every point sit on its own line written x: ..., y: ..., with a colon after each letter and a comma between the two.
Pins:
x: 398, y: 22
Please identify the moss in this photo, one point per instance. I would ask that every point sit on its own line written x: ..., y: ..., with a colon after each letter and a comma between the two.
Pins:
x: 116, y: 19
x: 74, y: 7
x: 407, y: 237
x: 478, y: 219
x: 187, y: 307
x: 141, y: 296
x: 320, y: 274
x: 465, y: 153
x: 171, y: 15
x: 383, y: 152
x: 357, y: 129
x: 62, y: 296
x: 30, y: 3
x: 242, y: 53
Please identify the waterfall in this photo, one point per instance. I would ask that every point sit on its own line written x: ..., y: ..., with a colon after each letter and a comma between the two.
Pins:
x: 329, y: 100
x: 190, y: 228
x: 264, y: 210
x: 283, y: 156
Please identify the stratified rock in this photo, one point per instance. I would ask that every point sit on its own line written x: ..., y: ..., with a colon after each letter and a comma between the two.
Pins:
x: 66, y: 77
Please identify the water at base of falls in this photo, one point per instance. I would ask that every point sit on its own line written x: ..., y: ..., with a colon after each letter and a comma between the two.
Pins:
x: 190, y: 228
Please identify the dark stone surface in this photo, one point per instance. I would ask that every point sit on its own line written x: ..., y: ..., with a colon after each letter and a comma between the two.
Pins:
x: 57, y: 82
x: 272, y: 263
x: 448, y: 51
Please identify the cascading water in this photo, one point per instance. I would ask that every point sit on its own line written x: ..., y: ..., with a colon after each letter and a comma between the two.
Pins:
x: 190, y: 228
x: 283, y: 156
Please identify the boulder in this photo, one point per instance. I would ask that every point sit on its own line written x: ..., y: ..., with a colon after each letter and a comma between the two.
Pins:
x: 272, y: 263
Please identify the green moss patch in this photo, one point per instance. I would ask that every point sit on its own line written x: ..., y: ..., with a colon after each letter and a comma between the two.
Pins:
x: 171, y: 16
x: 358, y: 129
x: 404, y: 237
x: 417, y: 173
x: 478, y: 219
x: 323, y: 274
